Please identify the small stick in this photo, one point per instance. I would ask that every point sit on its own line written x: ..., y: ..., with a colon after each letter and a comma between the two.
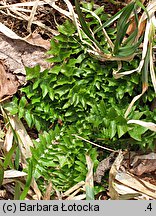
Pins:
x: 5, y: 98
x: 79, y: 137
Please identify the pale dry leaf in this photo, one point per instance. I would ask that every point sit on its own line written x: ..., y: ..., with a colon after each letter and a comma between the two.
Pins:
x: 8, y: 181
x: 89, y: 177
x: 125, y: 192
x: 9, y: 136
x: 71, y: 197
x: 137, y: 184
x: 150, y: 125
x: 62, y: 11
x: 14, y: 174
x: 134, y: 100
x: 79, y: 197
x: 32, y: 15
x: 34, y: 40
x: 75, y: 187
x: 2, y: 193
x: 22, y: 4
x: 112, y: 175
x: 8, y: 32
x: 24, y: 139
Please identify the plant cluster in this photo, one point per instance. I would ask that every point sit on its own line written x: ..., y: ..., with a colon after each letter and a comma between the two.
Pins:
x: 78, y: 95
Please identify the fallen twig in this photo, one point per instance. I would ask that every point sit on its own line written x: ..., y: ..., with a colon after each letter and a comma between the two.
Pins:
x: 108, y: 149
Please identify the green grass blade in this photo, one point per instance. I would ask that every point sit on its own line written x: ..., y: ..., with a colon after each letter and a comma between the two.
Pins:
x: 143, y: 7
x: 8, y: 156
x: 125, y: 15
x: 110, y: 21
x: 84, y: 25
x: 122, y: 25
x: 82, y: 21
x: 28, y: 182
x: 131, y: 39
x: 89, y: 193
x: 152, y: 60
x: 145, y: 69
x: 129, y: 49
x: 17, y: 158
x: 17, y: 191
x: 1, y: 172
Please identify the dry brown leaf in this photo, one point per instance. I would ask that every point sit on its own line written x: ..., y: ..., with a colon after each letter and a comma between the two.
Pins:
x: 124, y: 185
x: 132, y: 27
x: 35, y: 188
x: 103, y: 166
x: 37, y: 40
x: 153, y: 104
x: 17, y: 54
x: 48, y: 191
x: 150, y: 156
x: 145, y: 166
x: 8, y: 84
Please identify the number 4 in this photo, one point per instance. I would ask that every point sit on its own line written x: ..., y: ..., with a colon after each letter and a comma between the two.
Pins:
x: 149, y: 207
